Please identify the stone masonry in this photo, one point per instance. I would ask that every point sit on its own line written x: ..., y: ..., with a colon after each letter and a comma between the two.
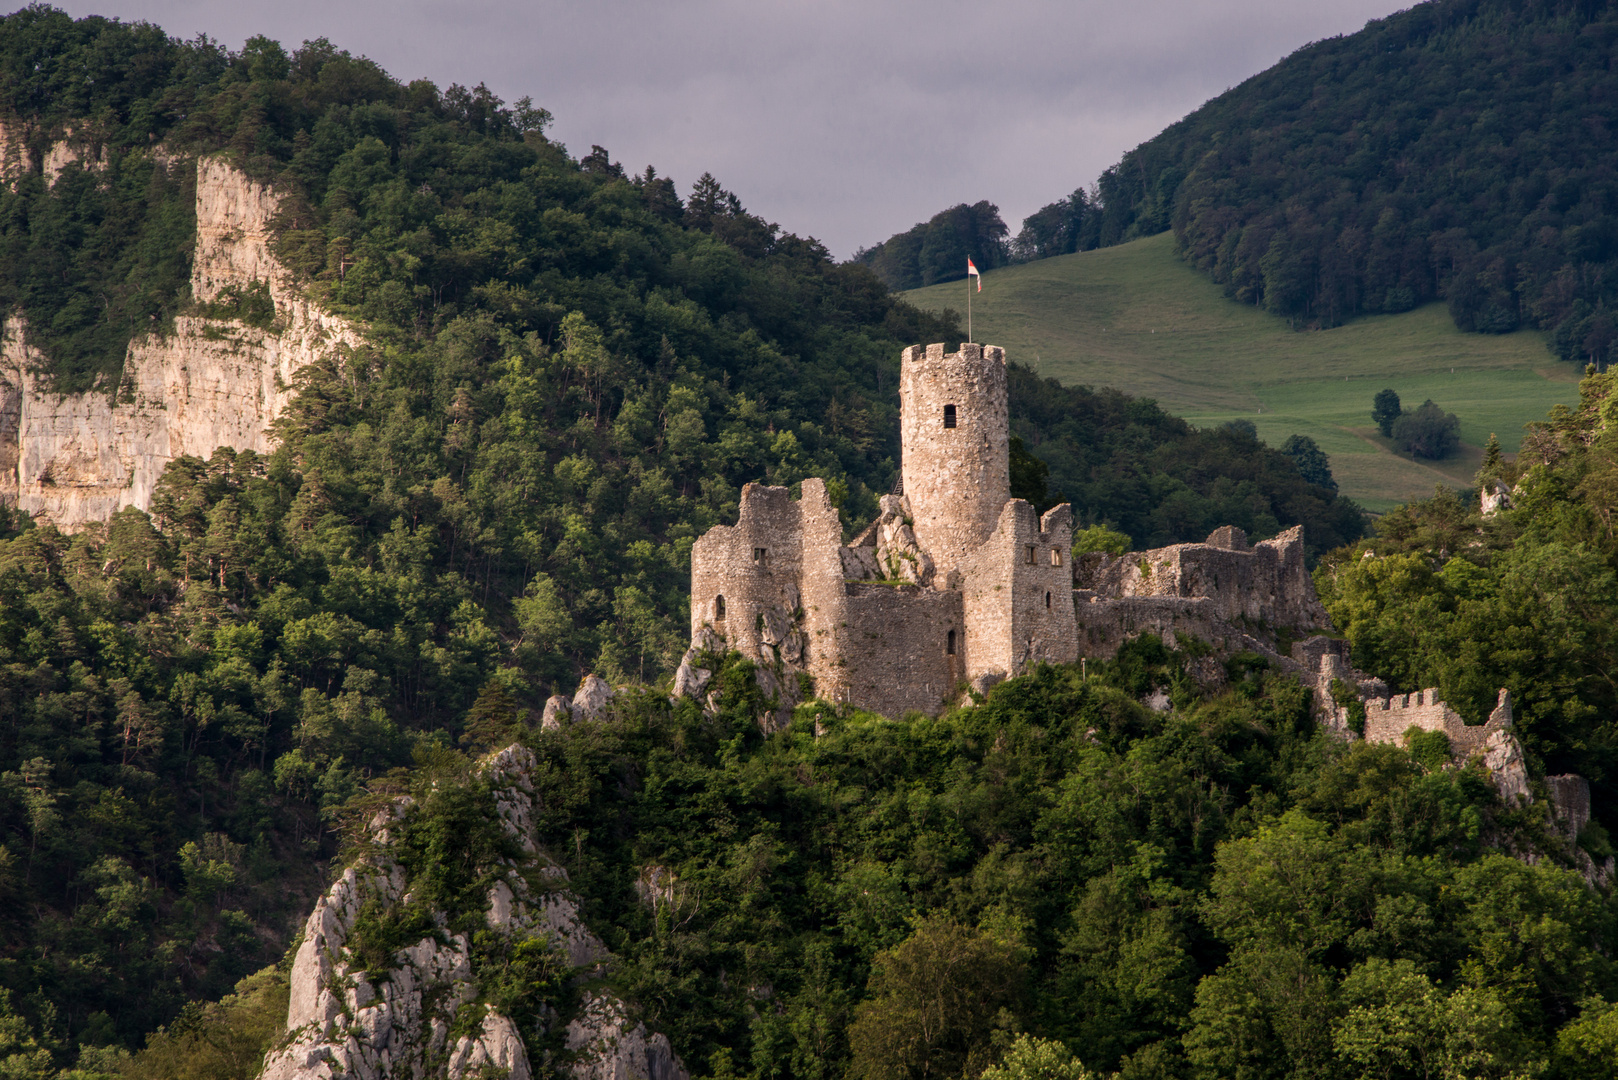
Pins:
x: 955, y: 583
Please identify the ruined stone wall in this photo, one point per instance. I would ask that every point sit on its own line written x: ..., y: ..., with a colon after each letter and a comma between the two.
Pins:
x: 823, y: 600
x: 898, y: 640
x: 1265, y: 583
x: 1103, y: 624
x: 75, y: 458
x: 1018, y: 593
x: 1387, y: 720
x: 957, y: 478
x: 779, y: 564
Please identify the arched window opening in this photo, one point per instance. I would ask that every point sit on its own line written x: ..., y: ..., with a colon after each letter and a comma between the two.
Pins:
x: 949, y: 416
x: 951, y: 643
x: 719, y: 607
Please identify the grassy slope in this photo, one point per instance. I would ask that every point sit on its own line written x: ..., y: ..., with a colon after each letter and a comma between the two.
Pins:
x: 1137, y: 318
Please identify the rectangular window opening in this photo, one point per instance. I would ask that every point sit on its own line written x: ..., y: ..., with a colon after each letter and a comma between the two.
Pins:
x: 1056, y: 556
x: 1030, y: 557
x: 949, y: 416
x: 951, y: 645
x: 759, y: 555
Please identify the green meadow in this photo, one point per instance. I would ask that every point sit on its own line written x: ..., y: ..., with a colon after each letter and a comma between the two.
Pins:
x: 1137, y: 318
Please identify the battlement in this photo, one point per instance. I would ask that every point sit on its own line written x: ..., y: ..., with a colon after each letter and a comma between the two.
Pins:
x: 1388, y: 719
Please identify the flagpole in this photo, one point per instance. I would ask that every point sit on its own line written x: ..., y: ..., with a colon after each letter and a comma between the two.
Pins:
x: 969, y: 305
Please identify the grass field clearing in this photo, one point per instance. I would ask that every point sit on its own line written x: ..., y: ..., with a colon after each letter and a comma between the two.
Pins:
x: 1137, y: 318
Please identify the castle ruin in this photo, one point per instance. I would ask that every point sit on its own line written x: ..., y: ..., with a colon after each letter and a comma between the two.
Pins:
x: 954, y: 582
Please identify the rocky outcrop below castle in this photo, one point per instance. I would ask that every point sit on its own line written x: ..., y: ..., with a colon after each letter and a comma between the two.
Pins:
x: 211, y: 382
x: 424, y: 1010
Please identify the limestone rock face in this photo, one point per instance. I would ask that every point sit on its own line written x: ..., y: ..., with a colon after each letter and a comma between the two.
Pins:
x: 1495, y: 497
x: 590, y: 702
x: 14, y: 160
x: 558, y: 711
x: 611, y: 1049
x: 76, y: 458
x: 690, y: 680
x: 497, y: 1045
x: 897, y: 553
x: 346, y: 1022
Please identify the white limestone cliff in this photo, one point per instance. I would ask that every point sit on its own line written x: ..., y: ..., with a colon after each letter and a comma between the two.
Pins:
x: 77, y: 458
x: 345, y: 1022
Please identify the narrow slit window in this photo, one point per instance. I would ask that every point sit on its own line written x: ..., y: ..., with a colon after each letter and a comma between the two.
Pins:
x: 1056, y: 556
x: 951, y: 645
x: 759, y: 555
x: 1047, y: 601
x: 1030, y: 556
x: 949, y: 416
x: 719, y: 607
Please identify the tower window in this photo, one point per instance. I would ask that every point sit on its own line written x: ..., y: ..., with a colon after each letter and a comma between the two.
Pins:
x: 759, y: 555
x: 1056, y: 556
x: 1030, y: 556
x: 1047, y: 601
x: 719, y: 607
x: 951, y: 646
x: 949, y: 416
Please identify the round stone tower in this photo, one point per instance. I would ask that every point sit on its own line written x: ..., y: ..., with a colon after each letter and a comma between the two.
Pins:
x: 953, y: 434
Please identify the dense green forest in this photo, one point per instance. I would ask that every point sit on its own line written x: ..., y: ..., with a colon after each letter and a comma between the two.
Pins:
x: 937, y: 249
x: 1459, y: 150
x: 1222, y: 890
x: 570, y: 372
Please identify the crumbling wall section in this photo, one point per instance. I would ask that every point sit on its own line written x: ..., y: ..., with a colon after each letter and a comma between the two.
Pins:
x: 1263, y: 584
x: 1104, y: 623
x: 1018, y: 595
x: 772, y: 584
x: 1387, y: 720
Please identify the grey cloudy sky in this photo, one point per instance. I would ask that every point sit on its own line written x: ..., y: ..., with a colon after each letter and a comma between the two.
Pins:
x: 847, y: 120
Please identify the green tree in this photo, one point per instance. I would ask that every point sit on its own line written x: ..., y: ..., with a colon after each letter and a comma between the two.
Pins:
x: 1311, y: 460
x: 1429, y: 432
x: 1031, y: 1058
x: 1029, y: 477
x: 936, y: 1001
x: 1385, y: 411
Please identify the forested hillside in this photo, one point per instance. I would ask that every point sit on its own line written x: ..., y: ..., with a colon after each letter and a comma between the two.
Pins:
x: 571, y: 372
x: 1460, y: 150
x: 937, y: 249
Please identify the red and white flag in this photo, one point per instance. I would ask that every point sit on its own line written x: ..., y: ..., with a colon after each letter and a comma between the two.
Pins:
x: 972, y: 271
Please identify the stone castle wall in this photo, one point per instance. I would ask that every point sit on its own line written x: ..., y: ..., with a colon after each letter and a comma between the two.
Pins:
x: 956, y: 478
x: 791, y: 601
x: 76, y: 458
x: 1390, y: 718
x: 1018, y: 593
x: 1266, y: 583
x: 898, y: 637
